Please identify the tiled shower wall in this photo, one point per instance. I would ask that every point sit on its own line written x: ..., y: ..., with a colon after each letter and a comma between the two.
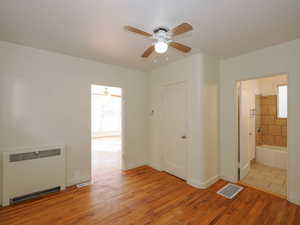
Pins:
x: 270, y: 130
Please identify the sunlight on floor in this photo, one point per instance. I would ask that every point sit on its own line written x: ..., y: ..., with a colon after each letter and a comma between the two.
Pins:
x: 107, y: 144
x: 106, y: 155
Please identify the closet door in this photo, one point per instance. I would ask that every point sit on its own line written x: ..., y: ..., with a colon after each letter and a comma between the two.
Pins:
x: 174, y: 129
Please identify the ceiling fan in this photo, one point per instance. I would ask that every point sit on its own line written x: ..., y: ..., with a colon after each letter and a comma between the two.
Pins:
x: 163, y: 38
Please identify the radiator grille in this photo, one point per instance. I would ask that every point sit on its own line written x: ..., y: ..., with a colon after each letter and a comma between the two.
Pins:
x: 33, y: 195
x: 34, y: 155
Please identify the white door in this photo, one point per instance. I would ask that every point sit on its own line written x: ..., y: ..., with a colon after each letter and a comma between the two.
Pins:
x: 252, y: 133
x: 245, y: 142
x: 174, y: 128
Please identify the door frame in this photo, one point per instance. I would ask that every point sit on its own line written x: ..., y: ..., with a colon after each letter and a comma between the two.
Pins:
x: 123, y: 126
x: 242, y: 169
x: 237, y: 121
x: 189, y: 138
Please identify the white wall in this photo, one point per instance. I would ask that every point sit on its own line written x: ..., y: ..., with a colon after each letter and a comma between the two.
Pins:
x: 201, y: 73
x: 278, y: 59
x: 45, y: 99
x: 268, y: 85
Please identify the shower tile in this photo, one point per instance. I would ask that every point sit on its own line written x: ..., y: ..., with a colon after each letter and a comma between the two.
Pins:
x: 284, y: 131
x: 275, y: 130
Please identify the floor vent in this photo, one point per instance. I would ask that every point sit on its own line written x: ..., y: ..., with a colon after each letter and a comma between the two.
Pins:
x: 230, y: 190
x: 33, y: 195
x: 83, y: 184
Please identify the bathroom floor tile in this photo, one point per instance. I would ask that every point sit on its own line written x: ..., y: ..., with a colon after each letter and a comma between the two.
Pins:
x: 267, y: 178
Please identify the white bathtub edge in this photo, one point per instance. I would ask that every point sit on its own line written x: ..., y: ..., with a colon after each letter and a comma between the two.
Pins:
x: 271, y: 157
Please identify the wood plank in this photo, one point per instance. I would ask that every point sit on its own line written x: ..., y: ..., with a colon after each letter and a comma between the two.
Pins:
x: 145, y: 196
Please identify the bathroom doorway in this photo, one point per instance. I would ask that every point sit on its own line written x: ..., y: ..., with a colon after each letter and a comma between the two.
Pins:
x: 106, y: 130
x: 262, y: 129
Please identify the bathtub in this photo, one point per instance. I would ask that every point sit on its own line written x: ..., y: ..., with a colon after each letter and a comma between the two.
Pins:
x: 274, y: 156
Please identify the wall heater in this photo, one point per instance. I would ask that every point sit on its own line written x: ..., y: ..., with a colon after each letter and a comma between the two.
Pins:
x: 32, y: 172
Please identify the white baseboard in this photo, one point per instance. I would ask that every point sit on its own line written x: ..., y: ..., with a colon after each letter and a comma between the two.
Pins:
x: 155, y: 166
x: 70, y: 183
x: 203, y: 185
x: 232, y: 180
x: 78, y: 181
x: 133, y: 165
x: 245, y: 170
x: 294, y: 200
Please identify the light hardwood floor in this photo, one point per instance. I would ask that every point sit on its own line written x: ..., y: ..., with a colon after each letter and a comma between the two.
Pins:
x: 267, y: 178
x: 145, y: 196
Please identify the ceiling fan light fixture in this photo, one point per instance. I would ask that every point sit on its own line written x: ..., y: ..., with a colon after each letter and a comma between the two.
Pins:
x: 161, y: 47
x: 163, y: 38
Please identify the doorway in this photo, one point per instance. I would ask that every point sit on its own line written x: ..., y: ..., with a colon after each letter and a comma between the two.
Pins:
x: 106, y: 130
x: 174, y: 129
x: 262, y: 129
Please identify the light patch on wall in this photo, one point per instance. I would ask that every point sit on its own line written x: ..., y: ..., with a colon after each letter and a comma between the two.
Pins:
x: 282, y: 101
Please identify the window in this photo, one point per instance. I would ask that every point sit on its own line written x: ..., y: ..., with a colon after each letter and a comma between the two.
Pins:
x: 282, y: 110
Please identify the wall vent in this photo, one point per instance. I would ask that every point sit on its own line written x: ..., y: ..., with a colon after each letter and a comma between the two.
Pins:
x: 33, y: 195
x: 34, y: 155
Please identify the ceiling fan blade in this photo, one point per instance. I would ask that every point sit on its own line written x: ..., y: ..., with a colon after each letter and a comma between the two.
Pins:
x: 182, y: 28
x: 148, y: 51
x: 138, y: 31
x: 180, y: 47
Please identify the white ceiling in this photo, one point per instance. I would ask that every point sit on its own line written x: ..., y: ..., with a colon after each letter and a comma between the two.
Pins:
x: 94, y: 28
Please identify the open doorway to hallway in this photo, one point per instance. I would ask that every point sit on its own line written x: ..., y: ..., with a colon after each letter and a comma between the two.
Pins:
x: 263, y: 117
x: 106, y: 130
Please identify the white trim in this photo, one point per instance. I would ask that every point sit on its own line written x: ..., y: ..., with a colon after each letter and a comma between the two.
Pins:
x: 294, y: 200
x: 78, y: 181
x: 132, y: 165
x: 155, y: 166
x: 237, y: 94
x: 236, y: 147
x: 123, y: 125
x: 244, y: 170
x: 233, y: 180
x: 203, y: 185
x: 123, y: 130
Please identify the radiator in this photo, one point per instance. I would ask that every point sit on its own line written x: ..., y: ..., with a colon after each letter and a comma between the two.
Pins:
x: 32, y: 171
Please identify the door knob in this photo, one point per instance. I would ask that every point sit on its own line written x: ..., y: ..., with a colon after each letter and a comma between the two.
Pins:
x: 183, y: 137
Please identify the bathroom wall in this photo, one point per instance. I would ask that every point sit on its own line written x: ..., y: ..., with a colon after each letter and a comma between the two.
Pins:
x: 273, y: 130
x: 268, y: 85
